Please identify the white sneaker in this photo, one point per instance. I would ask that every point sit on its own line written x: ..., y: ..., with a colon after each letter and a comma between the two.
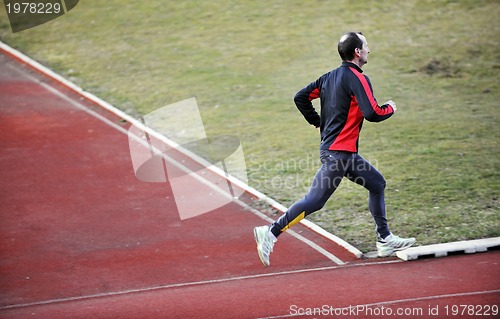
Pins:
x: 265, y: 243
x: 393, y: 243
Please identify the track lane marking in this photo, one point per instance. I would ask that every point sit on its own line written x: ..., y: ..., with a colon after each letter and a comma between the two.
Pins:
x: 176, y: 163
x: 194, y: 283
x: 197, y: 176
x: 46, y: 72
x: 117, y: 127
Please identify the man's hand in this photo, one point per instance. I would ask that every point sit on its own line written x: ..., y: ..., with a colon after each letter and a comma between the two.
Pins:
x: 391, y: 103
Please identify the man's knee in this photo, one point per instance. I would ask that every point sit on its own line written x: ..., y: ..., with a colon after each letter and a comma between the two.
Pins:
x: 316, y: 206
x: 379, y: 186
x: 313, y: 204
x: 375, y: 186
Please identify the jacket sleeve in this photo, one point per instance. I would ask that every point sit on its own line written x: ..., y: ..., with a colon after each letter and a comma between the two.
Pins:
x: 303, y: 102
x: 362, y: 89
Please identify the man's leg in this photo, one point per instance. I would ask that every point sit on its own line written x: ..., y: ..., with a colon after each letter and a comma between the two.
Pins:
x: 363, y: 173
x: 325, y: 182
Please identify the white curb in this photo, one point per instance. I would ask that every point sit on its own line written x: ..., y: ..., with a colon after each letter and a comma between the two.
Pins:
x: 442, y: 250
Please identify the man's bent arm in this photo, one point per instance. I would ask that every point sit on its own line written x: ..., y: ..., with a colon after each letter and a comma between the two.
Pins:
x: 303, y: 102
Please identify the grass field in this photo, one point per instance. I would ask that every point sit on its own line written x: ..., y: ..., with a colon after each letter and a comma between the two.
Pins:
x: 245, y: 60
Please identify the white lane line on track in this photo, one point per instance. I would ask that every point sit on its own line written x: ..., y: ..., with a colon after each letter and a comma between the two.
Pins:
x: 103, y: 104
x: 78, y: 105
x: 308, y: 242
x: 181, y: 166
x: 361, y: 308
x: 190, y: 284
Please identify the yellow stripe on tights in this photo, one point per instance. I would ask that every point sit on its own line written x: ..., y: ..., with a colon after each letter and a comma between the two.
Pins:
x: 295, y: 221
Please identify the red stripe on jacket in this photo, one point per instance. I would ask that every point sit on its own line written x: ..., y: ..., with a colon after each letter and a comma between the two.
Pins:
x: 378, y: 110
x: 314, y: 94
x: 347, y: 140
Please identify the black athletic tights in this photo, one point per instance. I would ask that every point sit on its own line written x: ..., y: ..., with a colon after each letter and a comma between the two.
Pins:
x: 336, y: 165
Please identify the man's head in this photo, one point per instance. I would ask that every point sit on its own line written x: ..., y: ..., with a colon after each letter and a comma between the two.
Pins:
x: 353, y: 47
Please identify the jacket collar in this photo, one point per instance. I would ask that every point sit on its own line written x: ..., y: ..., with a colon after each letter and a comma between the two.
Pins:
x: 352, y: 65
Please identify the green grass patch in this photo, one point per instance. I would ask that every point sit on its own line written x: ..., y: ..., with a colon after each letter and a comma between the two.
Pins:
x: 245, y: 61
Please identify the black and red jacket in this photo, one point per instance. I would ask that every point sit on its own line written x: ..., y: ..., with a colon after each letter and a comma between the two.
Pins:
x: 346, y: 99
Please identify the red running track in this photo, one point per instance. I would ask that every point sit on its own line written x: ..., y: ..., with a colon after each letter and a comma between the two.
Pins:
x: 81, y: 237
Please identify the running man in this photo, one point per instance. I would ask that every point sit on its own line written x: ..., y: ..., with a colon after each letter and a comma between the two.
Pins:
x: 347, y: 99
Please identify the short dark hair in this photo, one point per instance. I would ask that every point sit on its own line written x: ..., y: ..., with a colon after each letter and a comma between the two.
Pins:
x: 347, y: 47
